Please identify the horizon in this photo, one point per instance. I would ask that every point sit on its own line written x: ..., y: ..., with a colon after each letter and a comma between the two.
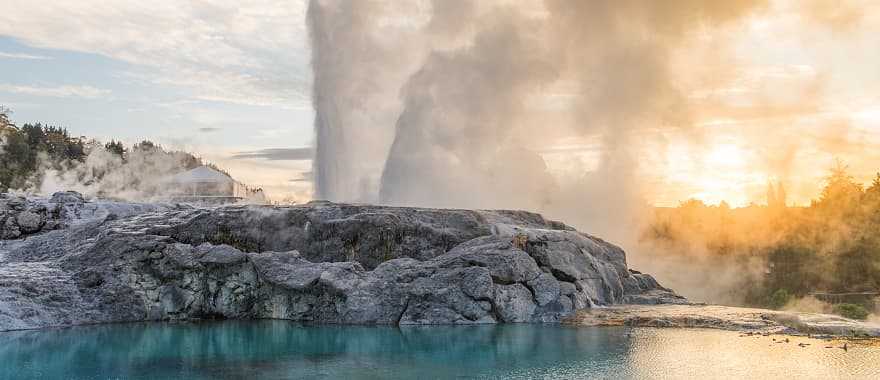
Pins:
x: 236, y: 91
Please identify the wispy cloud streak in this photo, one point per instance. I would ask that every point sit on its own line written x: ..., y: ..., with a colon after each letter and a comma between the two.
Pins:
x: 65, y: 91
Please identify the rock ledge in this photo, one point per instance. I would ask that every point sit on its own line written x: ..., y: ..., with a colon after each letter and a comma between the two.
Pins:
x: 67, y: 261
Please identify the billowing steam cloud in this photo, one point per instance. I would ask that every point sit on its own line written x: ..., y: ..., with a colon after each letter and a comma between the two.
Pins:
x: 142, y: 176
x: 488, y: 86
x: 360, y: 58
x: 453, y: 143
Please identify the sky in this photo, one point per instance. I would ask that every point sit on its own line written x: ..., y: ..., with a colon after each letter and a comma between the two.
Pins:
x: 227, y: 82
x: 779, y: 95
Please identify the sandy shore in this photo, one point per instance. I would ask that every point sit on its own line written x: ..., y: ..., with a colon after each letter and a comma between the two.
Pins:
x: 725, y: 318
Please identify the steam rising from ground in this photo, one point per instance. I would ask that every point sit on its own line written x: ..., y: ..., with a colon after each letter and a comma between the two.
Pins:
x: 143, y: 175
x: 556, y: 106
x: 486, y: 87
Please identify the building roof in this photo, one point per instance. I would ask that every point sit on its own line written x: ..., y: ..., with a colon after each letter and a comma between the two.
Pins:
x: 201, y: 174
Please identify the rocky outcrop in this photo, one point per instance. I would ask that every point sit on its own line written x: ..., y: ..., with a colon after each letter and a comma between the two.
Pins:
x: 21, y: 217
x: 321, y: 262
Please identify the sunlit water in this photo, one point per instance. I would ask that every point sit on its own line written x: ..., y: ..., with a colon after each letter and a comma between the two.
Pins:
x: 278, y: 349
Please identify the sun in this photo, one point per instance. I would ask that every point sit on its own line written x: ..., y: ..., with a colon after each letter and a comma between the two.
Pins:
x: 727, y: 156
x: 715, y: 172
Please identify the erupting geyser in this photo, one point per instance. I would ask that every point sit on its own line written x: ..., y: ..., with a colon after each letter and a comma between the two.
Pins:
x: 457, y: 105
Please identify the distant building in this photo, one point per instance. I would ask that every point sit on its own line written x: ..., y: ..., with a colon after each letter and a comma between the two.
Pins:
x: 207, y: 185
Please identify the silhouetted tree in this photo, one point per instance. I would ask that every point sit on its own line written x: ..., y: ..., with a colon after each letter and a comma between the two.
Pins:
x: 841, y: 192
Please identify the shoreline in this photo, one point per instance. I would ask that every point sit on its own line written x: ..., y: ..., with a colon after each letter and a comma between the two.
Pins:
x: 748, y: 321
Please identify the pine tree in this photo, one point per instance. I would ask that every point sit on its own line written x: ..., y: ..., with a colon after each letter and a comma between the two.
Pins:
x: 841, y: 190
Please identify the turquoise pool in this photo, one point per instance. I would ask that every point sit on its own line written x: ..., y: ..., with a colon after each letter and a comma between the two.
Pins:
x: 284, y: 350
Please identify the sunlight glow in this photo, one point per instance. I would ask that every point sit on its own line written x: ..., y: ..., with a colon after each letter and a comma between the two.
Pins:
x: 727, y: 155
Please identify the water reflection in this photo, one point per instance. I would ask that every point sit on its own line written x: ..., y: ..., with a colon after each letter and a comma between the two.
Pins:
x: 709, y: 354
x: 279, y: 349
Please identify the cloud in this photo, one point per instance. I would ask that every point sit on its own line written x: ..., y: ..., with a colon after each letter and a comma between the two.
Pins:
x: 836, y: 14
x: 278, y: 154
x: 65, y: 91
x: 24, y: 56
x: 251, y: 54
x: 209, y: 129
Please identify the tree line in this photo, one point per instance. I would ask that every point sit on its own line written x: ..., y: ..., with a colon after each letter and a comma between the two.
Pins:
x: 28, y: 151
x: 24, y: 149
x: 831, y: 246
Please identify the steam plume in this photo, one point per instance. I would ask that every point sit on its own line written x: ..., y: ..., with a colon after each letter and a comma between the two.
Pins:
x: 359, y: 60
x: 488, y: 89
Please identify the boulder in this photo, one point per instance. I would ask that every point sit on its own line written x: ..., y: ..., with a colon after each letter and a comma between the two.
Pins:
x: 64, y: 197
x: 30, y: 222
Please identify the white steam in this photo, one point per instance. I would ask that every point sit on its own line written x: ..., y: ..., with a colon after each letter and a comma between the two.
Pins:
x: 455, y: 108
x: 142, y: 176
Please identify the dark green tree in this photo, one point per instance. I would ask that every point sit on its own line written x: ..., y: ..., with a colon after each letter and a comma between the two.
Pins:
x: 147, y: 146
x: 116, y: 148
x: 17, y: 161
x: 794, y: 268
x: 857, y: 267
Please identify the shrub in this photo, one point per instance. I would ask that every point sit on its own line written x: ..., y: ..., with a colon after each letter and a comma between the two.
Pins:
x: 851, y: 311
x: 778, y: 299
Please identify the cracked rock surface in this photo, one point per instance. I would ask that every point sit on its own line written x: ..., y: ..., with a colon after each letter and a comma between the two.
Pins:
x: 68, y: 261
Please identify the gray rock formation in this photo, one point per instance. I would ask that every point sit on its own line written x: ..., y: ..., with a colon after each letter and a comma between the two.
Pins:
x: 94, y: 262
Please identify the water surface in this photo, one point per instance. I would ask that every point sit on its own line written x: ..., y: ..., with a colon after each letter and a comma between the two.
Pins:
x: 280, y: 349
